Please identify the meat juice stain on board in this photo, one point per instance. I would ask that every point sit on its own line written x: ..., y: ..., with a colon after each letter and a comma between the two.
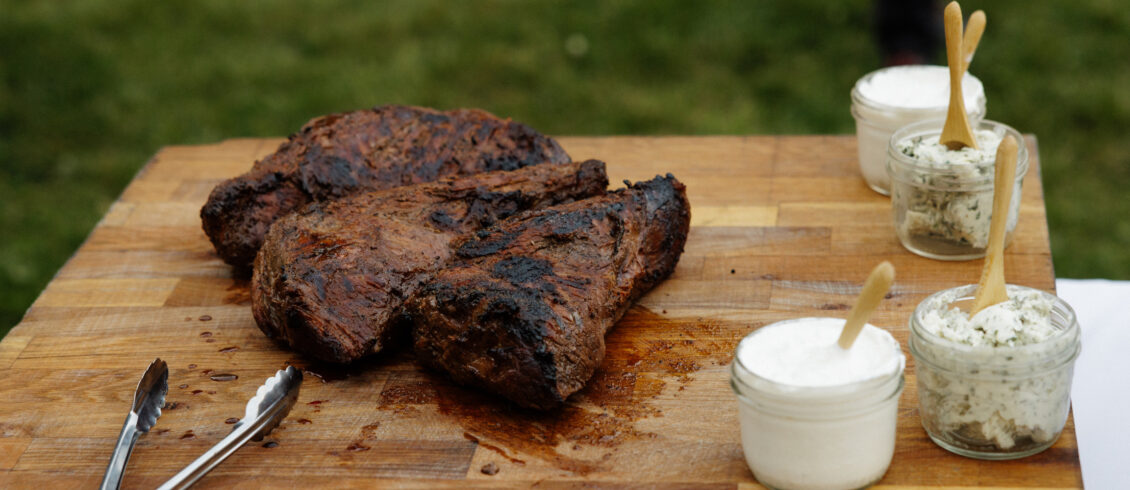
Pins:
x: 239, y: 293
x: 357, y: 446
x: 486, y: 417
x: 494, y: 448
x: 645, y: 352
x: 367, y: 432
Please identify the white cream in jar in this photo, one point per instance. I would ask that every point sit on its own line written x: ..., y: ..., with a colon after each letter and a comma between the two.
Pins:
x: 814, y: 415
x: 885, y: 100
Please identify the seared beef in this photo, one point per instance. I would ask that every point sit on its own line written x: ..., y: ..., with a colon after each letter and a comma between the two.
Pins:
x: 337, y: 155
x: 524, y: 309
x: 331, y: 278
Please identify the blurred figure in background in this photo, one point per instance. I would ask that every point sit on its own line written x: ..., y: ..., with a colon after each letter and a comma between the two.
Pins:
x: 909, y: 32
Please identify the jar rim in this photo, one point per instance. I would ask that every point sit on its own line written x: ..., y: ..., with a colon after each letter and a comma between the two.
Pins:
x: 810, y: 410
x: 858, y: 97
x: 786, y: 391
x: 932, y: 128
x: 1071, y: 328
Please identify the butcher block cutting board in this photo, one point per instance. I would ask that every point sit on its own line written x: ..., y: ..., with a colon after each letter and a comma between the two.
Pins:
x: 782, y: 227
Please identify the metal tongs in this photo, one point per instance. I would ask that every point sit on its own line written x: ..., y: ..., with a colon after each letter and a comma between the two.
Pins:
x: 271, y: 404
x: 147, y: 402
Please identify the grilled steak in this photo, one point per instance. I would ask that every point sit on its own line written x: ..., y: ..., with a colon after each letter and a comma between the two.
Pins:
x: 339, y: 154
x: 331, y: 278
x: 523, y: 310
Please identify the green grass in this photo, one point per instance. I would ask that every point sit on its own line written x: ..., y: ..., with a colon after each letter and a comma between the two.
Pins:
x: 89, y: 90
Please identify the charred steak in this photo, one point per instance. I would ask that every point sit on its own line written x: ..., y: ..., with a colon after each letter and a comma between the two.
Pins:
x: 330, y: 279
x: 339, y: 154
x: 523, y: 310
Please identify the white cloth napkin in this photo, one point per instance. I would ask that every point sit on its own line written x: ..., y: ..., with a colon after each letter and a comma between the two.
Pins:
x: 1100, y: 392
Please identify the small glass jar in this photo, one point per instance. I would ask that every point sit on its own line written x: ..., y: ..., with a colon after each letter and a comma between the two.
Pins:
x: 943, y: 211
x: 876, y: 121
x: 835, y: 437
x: 988, y: 402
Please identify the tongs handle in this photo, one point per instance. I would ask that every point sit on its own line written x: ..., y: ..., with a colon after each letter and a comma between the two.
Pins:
x: 148, y: 399
x: 210, y: 459
x: 112, y: 480
x: 271, y: 403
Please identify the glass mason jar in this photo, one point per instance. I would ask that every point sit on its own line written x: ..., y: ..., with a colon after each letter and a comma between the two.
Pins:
x: 876, y: 121
x: 798, y: 437
x: 990, y: 402
x: 943, y: 211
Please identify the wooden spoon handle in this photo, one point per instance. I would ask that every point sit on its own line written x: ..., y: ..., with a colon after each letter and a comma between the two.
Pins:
x: 973, y: 31
x: 876, y: 286
x: 991, y: 289
x: 956, y: 132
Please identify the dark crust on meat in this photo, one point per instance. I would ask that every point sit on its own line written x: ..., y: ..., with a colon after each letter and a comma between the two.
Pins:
x: 524, y: 311
x: 331, y: 278
x: 340, y: 154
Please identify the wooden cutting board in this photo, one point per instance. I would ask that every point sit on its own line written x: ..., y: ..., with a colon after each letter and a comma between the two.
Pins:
x: 782, y: 227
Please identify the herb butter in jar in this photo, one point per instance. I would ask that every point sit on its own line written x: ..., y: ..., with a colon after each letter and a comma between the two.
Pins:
x: 942, y: 200
x: 997, y: 385
x: 885, y: 100
x: 814, y: 415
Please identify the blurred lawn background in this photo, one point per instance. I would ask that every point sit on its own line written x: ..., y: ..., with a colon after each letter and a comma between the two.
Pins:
x: 90, y: 89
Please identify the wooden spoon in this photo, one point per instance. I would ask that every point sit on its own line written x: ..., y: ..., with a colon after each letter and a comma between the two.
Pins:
x: 973, y: 31
x: 876, y: 286
x: 956, y: 134
x: 991, y: 289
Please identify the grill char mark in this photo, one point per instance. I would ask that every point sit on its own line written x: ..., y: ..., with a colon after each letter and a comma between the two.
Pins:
x: 330, y: 279
x: 338, y: 155
x: 523, y: 310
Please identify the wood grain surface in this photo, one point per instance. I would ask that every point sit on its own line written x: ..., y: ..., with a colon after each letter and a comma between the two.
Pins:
x: 783, y: 227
